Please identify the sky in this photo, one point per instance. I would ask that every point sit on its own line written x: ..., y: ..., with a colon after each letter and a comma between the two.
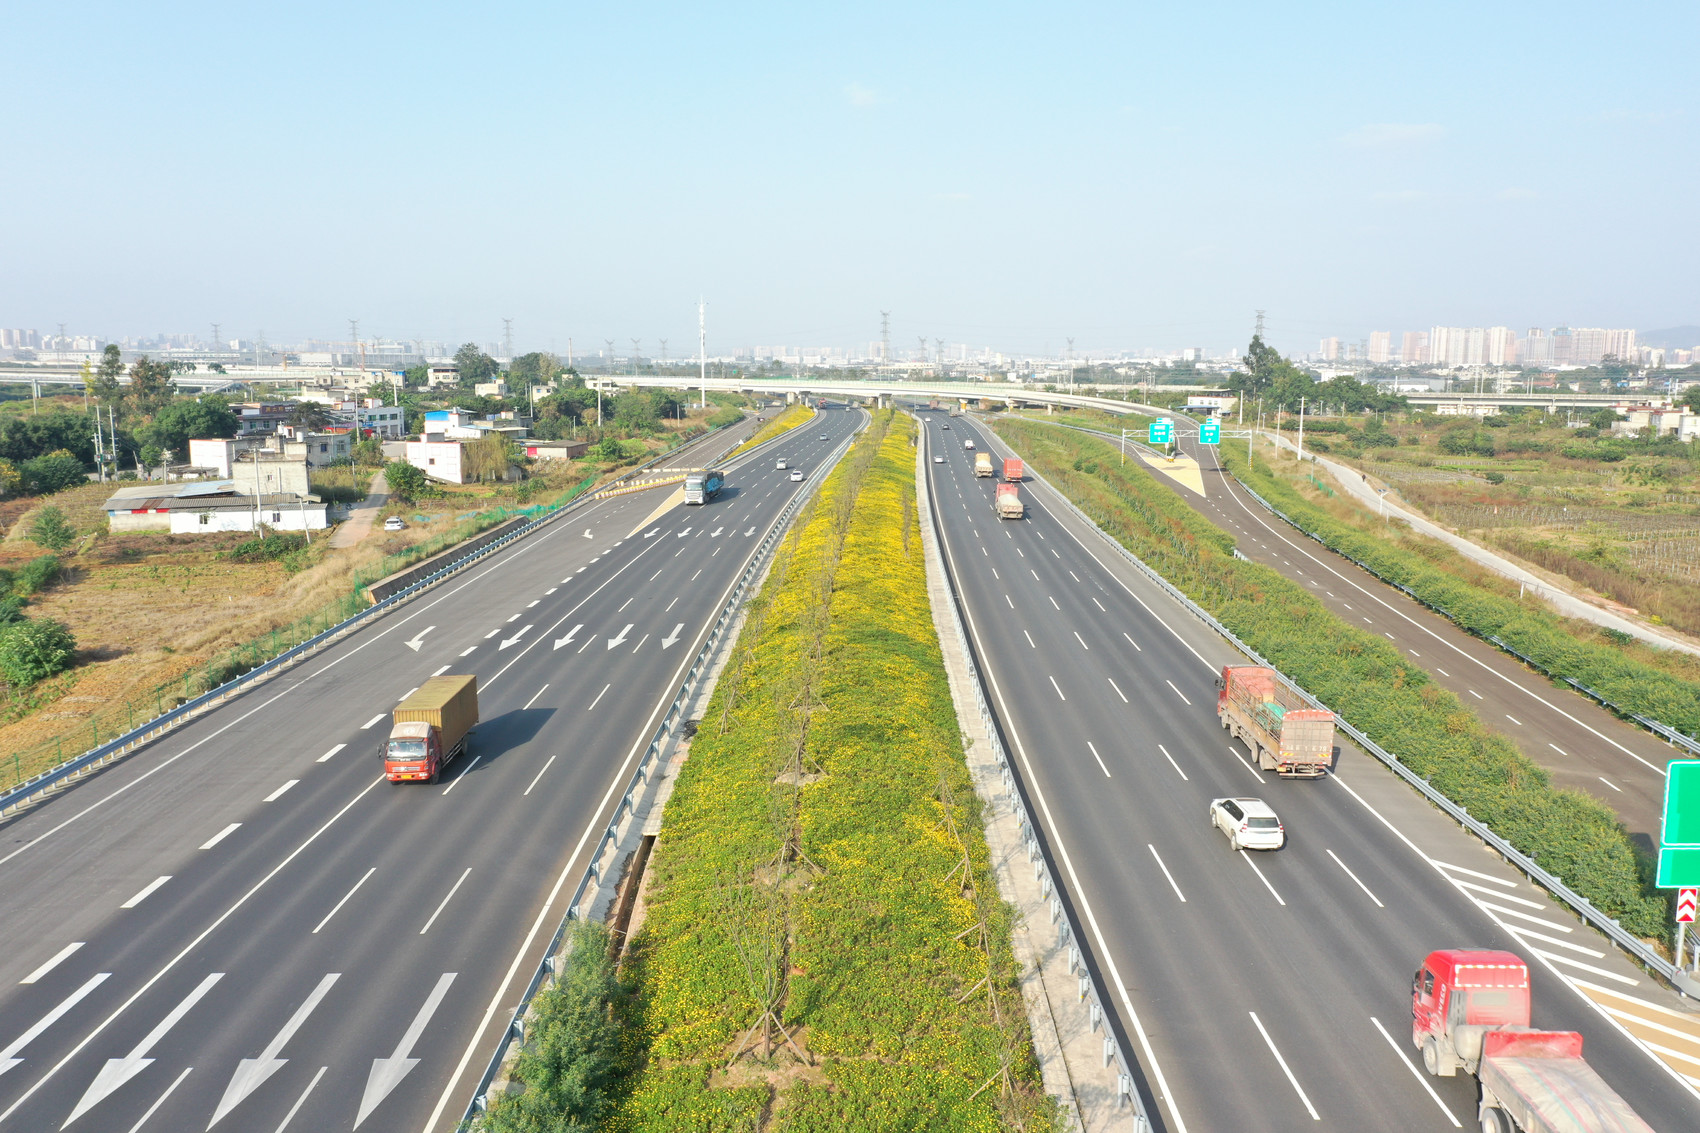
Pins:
x: 1136, y: 176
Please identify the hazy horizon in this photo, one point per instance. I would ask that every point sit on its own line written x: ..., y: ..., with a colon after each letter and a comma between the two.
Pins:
x: 1002, y: 176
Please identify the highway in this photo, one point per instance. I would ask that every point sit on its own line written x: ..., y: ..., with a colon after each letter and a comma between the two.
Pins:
x: 1257, y: 991
x: 1584, y: 746
x: 245, y: 927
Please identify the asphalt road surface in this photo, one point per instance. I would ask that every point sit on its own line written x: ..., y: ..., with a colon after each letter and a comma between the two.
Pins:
x: 1258, y: 990
x: 245, y: 927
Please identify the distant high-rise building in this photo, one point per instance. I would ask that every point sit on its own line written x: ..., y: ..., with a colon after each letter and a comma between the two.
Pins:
x: 1413, y: 348
x: 1536, y: 348
x: 1501, y: 346
x: 1563, y: 350
x: 1380, y: 347
x: 1330, y: 349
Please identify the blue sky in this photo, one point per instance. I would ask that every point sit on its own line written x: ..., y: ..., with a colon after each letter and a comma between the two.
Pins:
x: 1132, y: 175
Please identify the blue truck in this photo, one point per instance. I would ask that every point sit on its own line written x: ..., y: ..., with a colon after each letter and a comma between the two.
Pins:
x: 700, y: 487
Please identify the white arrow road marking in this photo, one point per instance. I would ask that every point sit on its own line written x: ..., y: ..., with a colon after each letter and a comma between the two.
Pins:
x: 672, y: 638
x: 715, y: 532
x: 652, y: 533
x: 621, y: 640
x: 514, y: 640
x: 418, y: 639
x: 587, y: 533
x: 251, y: 1073
x: 750, y: 532
x: 7, y: 1061
x: 685, y: 532
x: 567, y: 640
x: 387, y: 1073
x: 117, y: 1071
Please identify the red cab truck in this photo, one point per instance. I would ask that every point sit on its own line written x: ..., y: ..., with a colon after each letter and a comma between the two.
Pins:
x: 1013, y: 470
x: 1284, y: 735
x: 430, y: 727
x: 1009, y: 502
x: 1470, y: 1009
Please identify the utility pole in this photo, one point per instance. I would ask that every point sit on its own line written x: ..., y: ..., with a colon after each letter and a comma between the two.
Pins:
x: 569, y: 353
x: 702, y: 349
x: 610, y: 343
x: 1258, y: 333
x: 664, y: 354
x: 1301, y: 428
x: 885, y: 337
x: 637, y: 353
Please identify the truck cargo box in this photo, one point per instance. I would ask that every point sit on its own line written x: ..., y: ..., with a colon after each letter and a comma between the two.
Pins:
x: 1013, y: 471
x: 448, y: 703
x: 1009, y: 503
x: 1284, y: 734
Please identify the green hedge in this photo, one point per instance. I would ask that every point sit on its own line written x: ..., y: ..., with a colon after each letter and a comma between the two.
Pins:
x: 822, y: 854
x: 1548, y: 640
x: 1359, y: 675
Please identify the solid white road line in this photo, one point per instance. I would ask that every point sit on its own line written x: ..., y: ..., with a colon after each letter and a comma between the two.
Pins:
x: 527, y: 791
x: 146, y: 891
x: 1498, y: 896
x: 1523, y: 933
x: 296, y: 1108
x: 1172, y: 762
x: 278, y: 794
x: 445, y: 901
x: 1285, y: 1069
x: 1354, y: 877
x: 1099, y: 758
x: 220, y: 836
x: 1421, y: 1078
x: 1246, y: 854
x: 58, y: 958
x: 325, y: 758
x: 7, y: 1056
x: 1166, y: 872
x: 1598, y: 971
x: 463, y: 773
x: 1502, y: 911
x: 344, y: 900
x: 1471, y: 872
x: 1178, y: 692
x: 154, y: 1108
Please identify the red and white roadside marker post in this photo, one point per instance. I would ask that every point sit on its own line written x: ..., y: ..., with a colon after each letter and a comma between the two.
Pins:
x: 1687, y: 903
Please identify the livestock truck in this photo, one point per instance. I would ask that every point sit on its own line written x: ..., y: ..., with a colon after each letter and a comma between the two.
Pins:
x: 982, y: 464
x: 1009, y: 502
x: 430, y: 727
x: 700, y: 487
x: 1284, y: 735
x: 1013, y: 471
x: 1470, y: 1009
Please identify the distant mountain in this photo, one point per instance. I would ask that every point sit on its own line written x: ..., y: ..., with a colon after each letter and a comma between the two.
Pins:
x: 1673, y: 338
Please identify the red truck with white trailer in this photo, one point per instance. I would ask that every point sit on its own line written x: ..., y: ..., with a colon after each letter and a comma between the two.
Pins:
x: 1470, y: 1009
x: 1284, y: 735
x: 1013, y: 471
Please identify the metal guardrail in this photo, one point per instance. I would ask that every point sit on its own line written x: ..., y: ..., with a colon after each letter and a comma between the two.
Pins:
x: 1520, y: 861
x: 652, y: 756
x: 166, y: 721
x: 1068, y: 932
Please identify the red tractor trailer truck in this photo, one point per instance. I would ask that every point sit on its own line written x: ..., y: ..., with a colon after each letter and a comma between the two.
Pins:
x: 1470, y: 1009
x: 1284, y: 735
x: 1013, y: 470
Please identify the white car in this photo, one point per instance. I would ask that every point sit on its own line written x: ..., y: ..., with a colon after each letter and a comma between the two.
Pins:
x: 823, y: 436
x: 796, y: 474
x: 783, y: 466
x: 967, y: 446
x: 394, y: 523
x: 938, y: 460
x: 1250, y: 824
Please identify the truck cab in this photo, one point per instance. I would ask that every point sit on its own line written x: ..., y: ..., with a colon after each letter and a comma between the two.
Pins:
x: 415, y: 751
x: 1460, y: 994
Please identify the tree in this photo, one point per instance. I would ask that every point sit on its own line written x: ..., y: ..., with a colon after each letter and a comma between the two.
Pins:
x: 151, y: 387
x: 635, y: 411
x: 52, y: 473
x: 1691, y: 398
x: 368, y: 450
x: 488, y: 457
x: 10, y: 479
x: 34, y: 649
x: 535, y: 369
x: 1260, y: 362
x: 151, y: 456
x: 475, y: 365
x: 174, y: 426
x: 50, y: 532
x: 405, y: 481
x: 309, y: 415
x: 216, y: 367
x: 27, y: 437
x: 102, y: 382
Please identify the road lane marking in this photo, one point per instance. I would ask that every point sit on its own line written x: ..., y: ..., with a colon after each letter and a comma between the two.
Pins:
x: 1074, y: 576
x: 1514, y: 719
x: 1178, y: 692
x: 1443, y: 672
x: 220, y: 836
x: 1006, y: 599
x: 1098, y: 604
x: 1246, y: 854
x: 1413, y: 653
x: 527, y: 791
x: 1054, y: 604
x: 1504, y: 912
x: 1355, y: 877
x: 325, y: 758
x: 7, y: 1059
x: 445, y: 901
x: 344, y: 900
x: 1166, y: 872
x: 551, y: 590
x: 1247, y: 764
x: 463, y: 773
x: 515, y: 618
x: 1133, y: 643
x: 1034, y: 573
x: 441, y: 671
x: 1297, y: 1089
x: 1610, y: 784
x: 1474, y: 693
x: 464, y: 652
x: 1473, y: 873
x: 154, y: 1108
x: 146, y: 891
x: 1421, y: 1078
x: 1056, y: 686
x: 58, y: 958
x: 1558, y: 749
x: 533, y: 700
x: 996, y: 575
x: 1172, y: 762
x: 1082, y: 640
x: 1572, y: 945
x: 252, y: 1073
x: 1099, y: 758
x: 407, y: 694
x: 278, y: 794
x: 1598, y: 971
x: 374, y: 720
x: 599, y: 695
x: 639, y: 645
x: 529, y: 605
x: 1118, y: 689
x: 1497, y: 896
x: 387, y: 1073
x: 1029, y: 638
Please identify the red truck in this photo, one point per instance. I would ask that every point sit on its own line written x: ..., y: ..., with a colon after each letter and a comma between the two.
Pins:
x: 1013, y: 470
x: 1470, y: 1009
x: 1284, y: 736
x: 1009, y: 502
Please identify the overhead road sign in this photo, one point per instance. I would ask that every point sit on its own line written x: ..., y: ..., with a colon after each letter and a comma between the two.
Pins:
x: 1159, y: 432
x: 1210, y: 431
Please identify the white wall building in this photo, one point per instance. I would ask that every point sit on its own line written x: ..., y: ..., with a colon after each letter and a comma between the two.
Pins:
x: 440, y: 460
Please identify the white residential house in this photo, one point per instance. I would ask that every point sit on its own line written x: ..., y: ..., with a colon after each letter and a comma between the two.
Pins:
x: 439, y: 459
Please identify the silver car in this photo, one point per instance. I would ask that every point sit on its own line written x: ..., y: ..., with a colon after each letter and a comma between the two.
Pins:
x: 1250, y: 824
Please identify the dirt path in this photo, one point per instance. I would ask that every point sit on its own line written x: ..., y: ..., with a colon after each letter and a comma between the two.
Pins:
x: 359, y: 521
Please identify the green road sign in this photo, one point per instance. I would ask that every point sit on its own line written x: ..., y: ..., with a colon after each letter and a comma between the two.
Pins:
x: 1682, y: 803
x: 1679, y: 866
x: 1159, y: 434
x: 1210, y: 431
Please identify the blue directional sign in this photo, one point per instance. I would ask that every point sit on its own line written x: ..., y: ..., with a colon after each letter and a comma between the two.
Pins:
x: 1159, y: 434
x: 1210, y: 431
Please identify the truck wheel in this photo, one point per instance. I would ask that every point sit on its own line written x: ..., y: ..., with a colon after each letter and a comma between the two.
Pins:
x: 1495, y: 1121
x: 435, y: 775
x: 1436, y: 1063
